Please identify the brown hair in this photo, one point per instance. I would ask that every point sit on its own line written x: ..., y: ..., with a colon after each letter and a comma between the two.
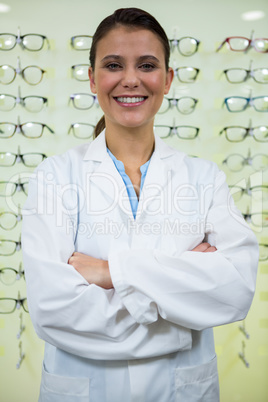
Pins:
x: 131, y: 17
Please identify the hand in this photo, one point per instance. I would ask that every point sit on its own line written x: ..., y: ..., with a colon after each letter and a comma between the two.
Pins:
x: 204, y: 248
x: 92, y: 269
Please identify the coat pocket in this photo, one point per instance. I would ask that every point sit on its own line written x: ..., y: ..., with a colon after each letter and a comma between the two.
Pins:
x: 197, y: 383
x: 56, y: 388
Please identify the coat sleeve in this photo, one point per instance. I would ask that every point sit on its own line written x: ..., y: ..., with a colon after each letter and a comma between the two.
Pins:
x: 82, y: 319
x: 195, y: 290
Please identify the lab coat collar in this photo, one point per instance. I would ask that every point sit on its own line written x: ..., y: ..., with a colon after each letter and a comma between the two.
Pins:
x: 97, y: 149
x: 157, y: 178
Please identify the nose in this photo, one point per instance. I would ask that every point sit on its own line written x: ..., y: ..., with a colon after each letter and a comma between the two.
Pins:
x: 130, y: 78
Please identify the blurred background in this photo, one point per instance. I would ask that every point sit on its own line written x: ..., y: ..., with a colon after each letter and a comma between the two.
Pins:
x: 220, y: 112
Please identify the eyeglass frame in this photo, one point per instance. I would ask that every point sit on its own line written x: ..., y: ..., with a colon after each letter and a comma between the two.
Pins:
x: 249, y: 216
x: 79, y: 36
x: 248, y: 104
x: 72, y: 99
x: 17, y: 246
x: 175, y: 43
x: 174, y: 102
x: 174, y: 128
x: 19, y: 100
x: 19, y: 126
x: 71, y: 129
x: 79, y: 65
x: 19, y: 41
x: 250, y: 41
x: 21, y: 157
x: 249, y: 132
x: 20, y: 71
x: 197, y: 70
x: 264, y: 245
x: 19, y: 301
x: 249, y: 74
x: 247, y: 158
x: 19, y: 274
x: 17, y: 184
x: 248, y: 189
x: 18, y: 217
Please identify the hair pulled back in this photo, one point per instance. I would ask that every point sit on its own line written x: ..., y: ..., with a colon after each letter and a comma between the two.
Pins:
x: 129, y: 17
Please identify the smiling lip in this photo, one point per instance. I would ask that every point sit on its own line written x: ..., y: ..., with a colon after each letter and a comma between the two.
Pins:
x: 130, y: 101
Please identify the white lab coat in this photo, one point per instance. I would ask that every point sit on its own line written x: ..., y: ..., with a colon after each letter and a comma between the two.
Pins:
x: 150, y: 339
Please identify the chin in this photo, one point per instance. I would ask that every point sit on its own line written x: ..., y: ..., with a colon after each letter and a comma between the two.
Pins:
x: 132, y: 123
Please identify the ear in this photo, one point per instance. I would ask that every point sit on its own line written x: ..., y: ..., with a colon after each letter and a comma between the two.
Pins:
x: 169, y: 79
x: 92, y: 81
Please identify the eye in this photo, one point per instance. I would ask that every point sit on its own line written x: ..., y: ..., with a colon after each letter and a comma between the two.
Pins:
x: 113, y: 66
x: 147, y: 67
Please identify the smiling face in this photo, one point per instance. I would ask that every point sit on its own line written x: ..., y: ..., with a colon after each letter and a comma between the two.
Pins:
x: 129, y: 77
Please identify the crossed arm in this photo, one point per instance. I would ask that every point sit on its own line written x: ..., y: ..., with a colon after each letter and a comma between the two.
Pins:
x: 96, y: 271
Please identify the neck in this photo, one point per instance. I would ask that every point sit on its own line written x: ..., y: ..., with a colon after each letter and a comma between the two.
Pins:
x: 132, y: 146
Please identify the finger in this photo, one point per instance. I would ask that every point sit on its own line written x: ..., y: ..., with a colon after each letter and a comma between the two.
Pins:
x: 71, y: 260
x: 202, y: 247
x: 210, y: 249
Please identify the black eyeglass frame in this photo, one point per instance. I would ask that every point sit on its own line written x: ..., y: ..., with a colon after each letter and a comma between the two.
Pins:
x: 20, y: 301
x: 18, y: 274
x: 249, y: 189
x: 21, y: 101
x: 174, y: 43
x: 79, y: 36
x: 17, y: 245
x: 249, y: 217
x: 249, y: 132
x: 73, y: 96
x: 19, y: 41
x: 176, y: 73
x: 73, y: 70
x: 175, y: 128
x: 19, y: 128
x: 266, y: 257
x: 17, y: 184
x: 21, y: 156
x: 247, y: 161
x: 249, y: 74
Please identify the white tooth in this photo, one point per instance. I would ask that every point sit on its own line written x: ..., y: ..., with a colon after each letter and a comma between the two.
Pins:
x: 130, y: 100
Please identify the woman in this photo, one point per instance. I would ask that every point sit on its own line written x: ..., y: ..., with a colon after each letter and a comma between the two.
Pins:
x: 133, y: 251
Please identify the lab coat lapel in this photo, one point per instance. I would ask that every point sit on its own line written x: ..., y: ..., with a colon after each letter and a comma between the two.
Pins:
x: 157, y: 182
x: 106, y: 177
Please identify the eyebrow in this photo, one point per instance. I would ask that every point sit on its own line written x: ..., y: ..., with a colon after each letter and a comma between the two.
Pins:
x: 141, y: 58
